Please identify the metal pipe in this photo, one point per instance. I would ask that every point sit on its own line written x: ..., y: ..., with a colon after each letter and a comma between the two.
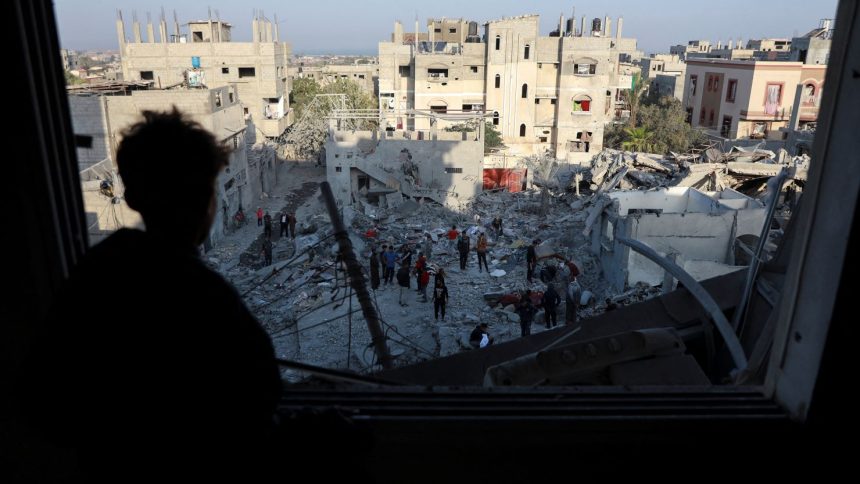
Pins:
x: 774, y: 186
x: 357, y: 278
x: 701, y: 295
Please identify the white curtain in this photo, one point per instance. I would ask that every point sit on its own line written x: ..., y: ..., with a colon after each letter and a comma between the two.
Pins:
x: 771, y: 104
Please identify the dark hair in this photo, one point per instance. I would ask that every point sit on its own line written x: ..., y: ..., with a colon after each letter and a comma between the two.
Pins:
x: 169, y: 164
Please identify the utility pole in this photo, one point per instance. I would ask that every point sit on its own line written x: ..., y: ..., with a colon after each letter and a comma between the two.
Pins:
x: 356, y: 278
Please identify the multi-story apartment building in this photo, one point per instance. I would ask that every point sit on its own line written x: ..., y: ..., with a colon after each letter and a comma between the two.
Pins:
x: 751, y: 99
x: 814, y: 47
x: 365, y: 75
x: 656, y: 64
x: 206, y: 55
x: 549, y: 93
x: 692, y: 47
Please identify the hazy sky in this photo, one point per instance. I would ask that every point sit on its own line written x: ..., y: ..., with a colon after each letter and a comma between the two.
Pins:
x: 355, y: 27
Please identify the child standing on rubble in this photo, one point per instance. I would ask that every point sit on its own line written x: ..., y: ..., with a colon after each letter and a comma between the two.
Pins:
x: 452, y: 237
x: 440, y: 298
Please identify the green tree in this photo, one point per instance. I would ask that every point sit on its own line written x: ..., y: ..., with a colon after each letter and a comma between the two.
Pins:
x: 302, y: 94
x: 492, y: 138
x: 72, y: 80
x: 666, y: 119
x: 638, y: 139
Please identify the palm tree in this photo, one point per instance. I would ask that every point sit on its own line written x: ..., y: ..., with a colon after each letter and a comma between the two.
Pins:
x: 639, y: 139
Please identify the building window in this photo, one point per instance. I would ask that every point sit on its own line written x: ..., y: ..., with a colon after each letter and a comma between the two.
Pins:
x: 526, y: 52
x: 543, y: 139
x: 537, y: 100
x: 522, y: 130
x: 772, y: 98
x: 693, y: 81
x: 452, y: 31
x: 438, y: 30
x: 439, y: 109
x: 582, y: 104
x: 437, y: 73
x: 498, y: 42
x: 732, y: 90
x: 701, y: 117
x: 453, y: 170
x: 247, y: 72
x: 147, y: 76
x: 585, y: 69
x: 404, y: 71
x: 217, y: 99
x: 495, y: 118
x: 808, y: 98
x: 225, y: 70
x: 474, y: 69
x: 197, y: 36
x: 726, y: 127
x: 525, y: 91
x: 337, y: 168
x: 361, y: 76
x: 552, y: 101
x: 498, y: 81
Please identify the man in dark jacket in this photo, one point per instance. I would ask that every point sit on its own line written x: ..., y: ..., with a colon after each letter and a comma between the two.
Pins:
x: 531, y: 260
x: 463, y: 246
x: 551, y: 300
x: 403, y: 282
x: 172, y: 371
x: 440, y: 299
x: 526, y: 312
x: 478, y: 335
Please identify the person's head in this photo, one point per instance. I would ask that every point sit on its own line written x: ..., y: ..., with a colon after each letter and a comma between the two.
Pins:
x: 429, y: 237
x: 453, y: 227
x: 179, y: 202
x: 484, y: 326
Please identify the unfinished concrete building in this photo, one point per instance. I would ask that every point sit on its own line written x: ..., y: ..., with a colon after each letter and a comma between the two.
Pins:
x: 365, y: 75
x: 104, y: 116
x: 692, y: 47
x: 383, y: 168
x: 697, y: 230
x: 814, y: 46
x: 205, y: 55
x: 545, y: 93
x: 660, y: 64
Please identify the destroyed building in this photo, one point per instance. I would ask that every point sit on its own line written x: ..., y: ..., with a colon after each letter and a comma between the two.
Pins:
x: 102, y: 113
x: 697, y: 230
x: 206, y: 55
x: 380, y: 168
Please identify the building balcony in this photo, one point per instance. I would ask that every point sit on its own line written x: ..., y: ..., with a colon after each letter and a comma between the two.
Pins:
x: 272, y: 128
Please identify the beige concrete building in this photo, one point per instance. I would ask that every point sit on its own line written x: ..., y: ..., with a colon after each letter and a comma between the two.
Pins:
x: 549, y: 93
x: 656, y: 64
x: 814, y: 47
x: 693, y: 47
x: 104, y: 117
x: 751, y: 99
x: 365, y: 75
x: 205, y: 55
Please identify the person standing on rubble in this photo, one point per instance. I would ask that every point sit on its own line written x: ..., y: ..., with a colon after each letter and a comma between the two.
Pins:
x: 526, y: 311
x: 574, y: 293
x: 531, y: 260
x: 292, y: 223
x: 440, y: 298
x: 267, y: 225
x: 481, y: 250
x: 374, y: 269
x: 420, y: 265
x: 463, y: 247
x: 390, y: 261
x: 266, y: 250
x: 285, y: 223
x: 423, y: 282
x: 551, y: 300
x: 259, y: 216
x: 440, y: 277
x: 406, y: 256
x: 497, y: 226
x: 427, y: 247
x: 452, y: 237
x: 403, y: 282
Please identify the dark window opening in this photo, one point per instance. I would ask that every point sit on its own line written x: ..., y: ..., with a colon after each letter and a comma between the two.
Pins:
x: 525, y: 91
x: 537, y: 100
x: 453, y: 170
x: 338, y: 169
x: 495, y: 118
x: 198, y: 36
x: 147, y: 75
x: 543, y: 139
x: 585, y: 69
x: 437, y: 73
x: 552, y: 101
x: 526, y: 52
x: 498, y: 42
x: 437, y: 30
x: 726, y: 128
x: 404, y: 71
x: 452, y: 31
x: 439, y: 109
x: 498, y: 81
x: 474, y: 69
x: 225, y: 70
x: 522, y: 130
x: 247, y: 72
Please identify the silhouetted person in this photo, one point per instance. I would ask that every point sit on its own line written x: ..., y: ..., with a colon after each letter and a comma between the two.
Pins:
x: 374, y: 270
x: 267, y: 251
x: 267, y: 225
x: 551, y: 300
x: 292, y: 222
x: 463, y: 247
x: 440, y: 299
x: 149, y: 361
x: 284, y: 223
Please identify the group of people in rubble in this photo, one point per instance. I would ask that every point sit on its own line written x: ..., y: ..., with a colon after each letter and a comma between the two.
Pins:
x: 561, y: 279
x: 287, y: 225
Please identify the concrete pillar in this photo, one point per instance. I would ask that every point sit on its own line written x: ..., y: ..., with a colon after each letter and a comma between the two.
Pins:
x: 150, y: 33
x: 277, y: 30
x: 398, y: 32
x: 561, y: 25
x: 730, y: 44
x: 618, y: 29
x: 668, y: 280
x: 135, y: 27
x: 607, y: 27
x: 795, y: 108
x: 120, y: 32
x: 268, y: 31
x: 211, y: 32
x: 582, y: 27
x: 176, y: 26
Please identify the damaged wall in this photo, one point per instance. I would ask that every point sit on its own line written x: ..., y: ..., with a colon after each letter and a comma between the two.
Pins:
x: 448, y: 169
x: 698, y: 229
